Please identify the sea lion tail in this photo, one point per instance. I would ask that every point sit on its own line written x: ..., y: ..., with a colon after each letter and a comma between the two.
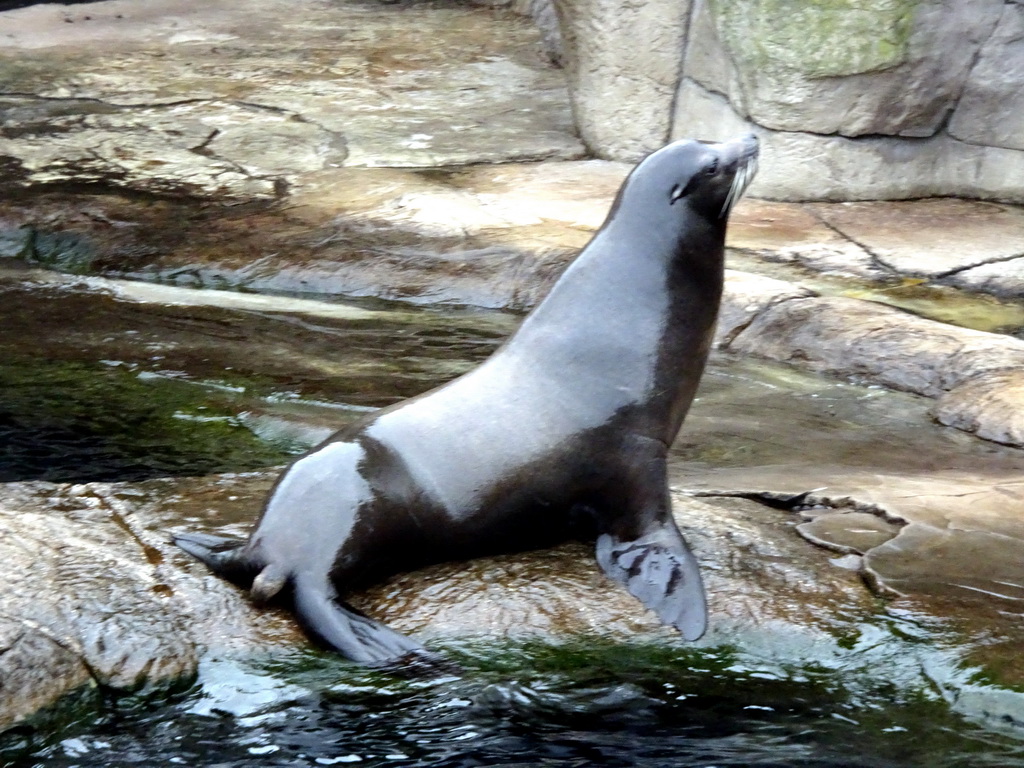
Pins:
x: 221, y: 555
x: 357, y: 636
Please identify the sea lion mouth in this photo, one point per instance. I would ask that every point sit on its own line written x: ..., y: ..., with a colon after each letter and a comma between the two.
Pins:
x: 743, y: 152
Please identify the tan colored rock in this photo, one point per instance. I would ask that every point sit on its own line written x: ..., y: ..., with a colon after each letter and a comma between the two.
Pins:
x: 930, y: 238
x: 92, y: 596
x: 957, y: 564
x: 225, y: 101
x: 874, y: 343
x: 745, y: 296
x: 623, y: 62
x: 990, y: 406
x: 854, y: 338
x: 791, y: 233
x: 36, y: 672
x: 949, y: 534
x: 851, y: 532
x: 764, y: 586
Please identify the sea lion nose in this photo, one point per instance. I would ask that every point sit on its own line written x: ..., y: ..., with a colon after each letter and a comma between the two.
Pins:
x: 749, y: 144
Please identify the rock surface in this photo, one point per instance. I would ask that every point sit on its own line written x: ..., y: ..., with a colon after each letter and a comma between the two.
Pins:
x: 621, y: 94
x: 94, y: 598
x: 865, y: 100
x: 988, y: 405
x: 498, y: 236
x: 765, y: 592
x: 991, y: 108
x: 213, y: 102
x: 800, y: 165
x: 882, y: 67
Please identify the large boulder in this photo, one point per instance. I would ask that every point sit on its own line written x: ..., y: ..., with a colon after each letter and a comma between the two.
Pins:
x: 623, y: 61
x: 852, y: 100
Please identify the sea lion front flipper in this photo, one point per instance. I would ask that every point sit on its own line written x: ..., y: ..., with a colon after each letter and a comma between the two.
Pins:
x: 660, y: 571
x: 347, y: 631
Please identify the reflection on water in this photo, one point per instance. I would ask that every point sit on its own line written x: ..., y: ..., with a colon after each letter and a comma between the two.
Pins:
x: 129, y: 391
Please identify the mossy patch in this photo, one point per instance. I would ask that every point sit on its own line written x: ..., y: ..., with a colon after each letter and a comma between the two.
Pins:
x: 817, y: 38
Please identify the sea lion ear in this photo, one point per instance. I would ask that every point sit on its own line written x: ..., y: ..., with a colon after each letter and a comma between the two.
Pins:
x: 660, y: 571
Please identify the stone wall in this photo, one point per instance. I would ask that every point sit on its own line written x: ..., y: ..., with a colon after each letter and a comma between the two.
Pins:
x: 853, y: 99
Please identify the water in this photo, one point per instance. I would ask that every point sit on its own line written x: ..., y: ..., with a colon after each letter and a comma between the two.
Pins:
x: 131, y: 389
x: 579, y: 704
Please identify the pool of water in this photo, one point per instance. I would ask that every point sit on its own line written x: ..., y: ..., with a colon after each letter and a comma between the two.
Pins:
x: 128, y: 388
x: 520, y: 705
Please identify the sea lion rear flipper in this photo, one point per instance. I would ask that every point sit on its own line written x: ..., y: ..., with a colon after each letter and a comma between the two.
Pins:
x: 220, y: 554
x: 349, y: 632
x: 660, y: 571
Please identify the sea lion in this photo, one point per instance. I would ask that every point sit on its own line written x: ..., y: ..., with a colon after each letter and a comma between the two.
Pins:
x: 562, y: 432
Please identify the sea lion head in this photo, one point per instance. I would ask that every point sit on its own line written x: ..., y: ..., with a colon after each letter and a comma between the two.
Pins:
x: 687, y: 178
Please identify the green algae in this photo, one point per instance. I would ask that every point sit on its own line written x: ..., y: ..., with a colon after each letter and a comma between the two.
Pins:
x: 817, y: 38
x: 946, y: 304
x: 75, y: 422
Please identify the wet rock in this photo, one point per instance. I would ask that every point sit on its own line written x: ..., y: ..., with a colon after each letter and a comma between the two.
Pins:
x: 96, y: 596
x: 875, y: 466
x: 956, y: 564
x: 875, y: 343
x: 248, y: 349
x: 91, y: 597
x: 35, y: 671
x: 974, y: 374
x: 761, y: 585
x: 770, y: 593
x: 499, y: 236
x: 851, y: 532
x: 910, y: 512
x: 988, y: 405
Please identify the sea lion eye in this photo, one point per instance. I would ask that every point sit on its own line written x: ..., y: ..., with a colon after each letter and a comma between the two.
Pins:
x: 712, y: 169
x: 677, y: 192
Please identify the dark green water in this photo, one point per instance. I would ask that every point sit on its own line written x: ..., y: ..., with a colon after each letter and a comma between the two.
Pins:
x: 78, y: 422
x: 584, y: 704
